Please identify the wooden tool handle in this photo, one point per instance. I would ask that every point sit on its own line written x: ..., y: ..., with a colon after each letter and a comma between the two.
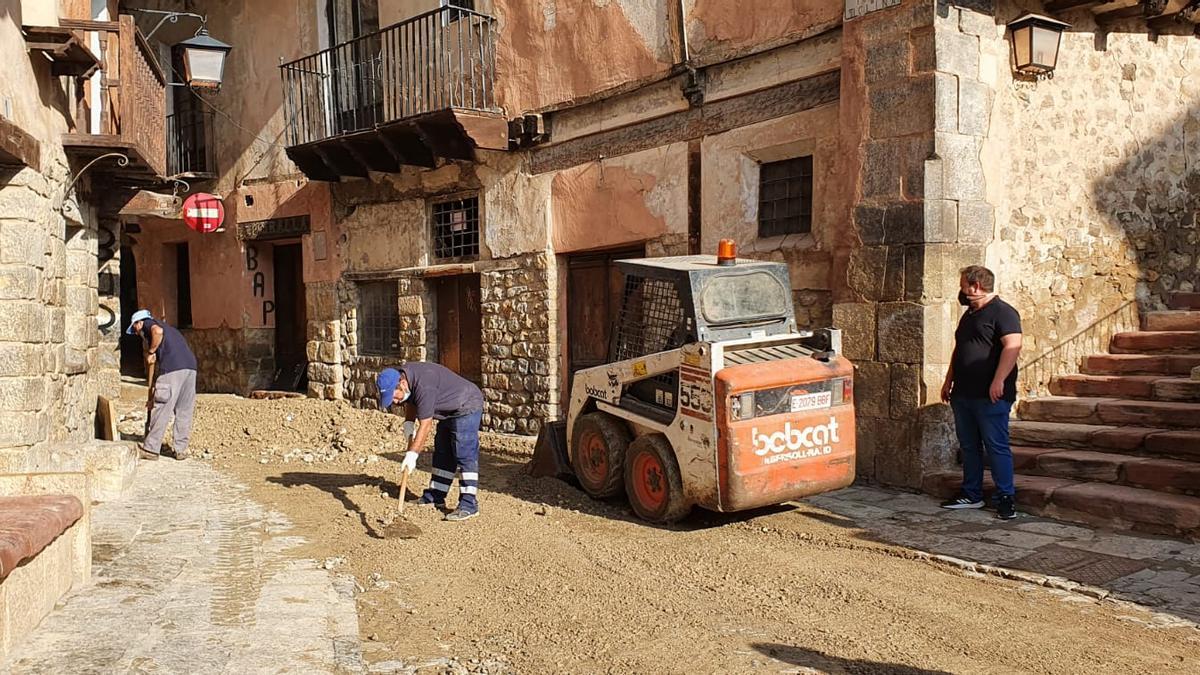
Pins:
x: 403, y: 489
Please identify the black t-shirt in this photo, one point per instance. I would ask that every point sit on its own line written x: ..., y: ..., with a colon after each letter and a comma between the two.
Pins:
x: 977, y: 350
x: 173, y: 352
x: 438, y: 392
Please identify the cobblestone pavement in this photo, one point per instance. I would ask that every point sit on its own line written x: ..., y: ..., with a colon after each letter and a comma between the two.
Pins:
x: 191, y: 576
x: 1160, y: 573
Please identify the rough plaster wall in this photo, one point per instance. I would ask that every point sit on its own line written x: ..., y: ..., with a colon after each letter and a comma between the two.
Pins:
x: 552, y: 51
x: 1093, y: 176
x: 719, y: 28
x: 627, y: 199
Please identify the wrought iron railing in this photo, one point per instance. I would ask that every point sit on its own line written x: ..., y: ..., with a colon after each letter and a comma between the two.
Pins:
x: 1066, y: 357
x: 442, y: 59
x: 190, y: 143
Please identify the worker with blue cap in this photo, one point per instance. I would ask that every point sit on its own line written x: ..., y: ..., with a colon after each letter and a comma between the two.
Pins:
x: 174, y: 386
x: 429, y: 391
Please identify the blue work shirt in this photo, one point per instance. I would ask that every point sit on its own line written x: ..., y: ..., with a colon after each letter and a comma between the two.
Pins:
x: 173, y: 352
x: 438, y: 392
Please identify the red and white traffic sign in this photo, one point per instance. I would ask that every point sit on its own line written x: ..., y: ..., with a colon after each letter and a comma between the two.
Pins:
x: 203, y: 212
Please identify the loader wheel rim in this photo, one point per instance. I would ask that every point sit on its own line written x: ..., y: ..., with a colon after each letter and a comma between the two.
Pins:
x: 594, y: 466
x: 650, y: 481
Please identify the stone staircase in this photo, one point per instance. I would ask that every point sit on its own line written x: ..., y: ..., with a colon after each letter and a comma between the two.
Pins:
x: 1117, y: 445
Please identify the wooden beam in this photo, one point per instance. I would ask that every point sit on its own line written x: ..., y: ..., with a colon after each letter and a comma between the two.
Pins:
x: 686, y: 125
x: 340, y: 167
x: 1055, y: 6
x: 356, y: 155
x: 17, y: 147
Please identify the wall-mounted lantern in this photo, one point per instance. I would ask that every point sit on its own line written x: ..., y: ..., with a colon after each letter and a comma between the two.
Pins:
x: 1035, y: 42
x: 204, y: 60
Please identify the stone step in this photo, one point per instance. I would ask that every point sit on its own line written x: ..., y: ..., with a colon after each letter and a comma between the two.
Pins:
x: 110, y: 465
x: 1142, y: 441
x: 1148, y: 387
x: 1156, y: 342
x: 1112, y: 412
x: 1183, y: 300
x: 1165, y: 475
x: 1116, y: 506
x: 1141, y: 364
x: 1171, y: 320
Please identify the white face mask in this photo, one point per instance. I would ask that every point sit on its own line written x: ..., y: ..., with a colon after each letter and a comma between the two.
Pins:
x: 405, y: 397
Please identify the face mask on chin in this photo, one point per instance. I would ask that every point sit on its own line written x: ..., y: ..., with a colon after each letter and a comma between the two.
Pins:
x: 405, y: 397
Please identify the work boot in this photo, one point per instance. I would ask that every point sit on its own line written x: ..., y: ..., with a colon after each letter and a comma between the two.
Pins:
x: 458, y: 515
x: 1005, y: 509
x: 424, y: 502
x: 180, y: 456
x: 147, y: 455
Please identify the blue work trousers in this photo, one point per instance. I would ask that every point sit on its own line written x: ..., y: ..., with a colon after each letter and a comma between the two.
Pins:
x: 456, y: 449
x: 983, y: 426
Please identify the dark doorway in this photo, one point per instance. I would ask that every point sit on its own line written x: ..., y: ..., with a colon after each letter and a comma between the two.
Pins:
x: 459, y: 326
x: 132, y: 364
x: 291, y: 321
x: 183, y: 287
x: 593, y: 297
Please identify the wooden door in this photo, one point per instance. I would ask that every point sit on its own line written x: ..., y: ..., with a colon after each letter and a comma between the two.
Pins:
x: 291, y: 321
x: 460, y: 326
x: 593, y: 299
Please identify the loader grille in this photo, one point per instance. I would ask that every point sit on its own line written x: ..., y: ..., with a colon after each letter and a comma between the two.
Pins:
x: 651, y: 318
x: 762, y: 354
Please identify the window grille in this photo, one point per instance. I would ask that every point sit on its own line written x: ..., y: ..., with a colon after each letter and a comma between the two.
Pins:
x: 651, y: 318
x: 456, y: 228
x: 785, y: 197
x: 378, y: 318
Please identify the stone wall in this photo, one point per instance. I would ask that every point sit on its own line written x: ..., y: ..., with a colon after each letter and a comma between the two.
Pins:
x: 417, y: 337
x: 1092, y: 174
x: 519, y: 303
x: 51, y: 367
x: 232, y: 361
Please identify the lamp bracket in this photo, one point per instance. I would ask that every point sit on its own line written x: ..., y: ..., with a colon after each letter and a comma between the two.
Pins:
x: 173, y: 17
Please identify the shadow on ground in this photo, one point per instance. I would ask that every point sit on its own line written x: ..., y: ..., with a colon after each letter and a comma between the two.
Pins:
x: 337, y: 484
x: 799, y: 656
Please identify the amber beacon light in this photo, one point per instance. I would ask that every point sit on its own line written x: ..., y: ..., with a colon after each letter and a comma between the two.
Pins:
x: 726, y: 252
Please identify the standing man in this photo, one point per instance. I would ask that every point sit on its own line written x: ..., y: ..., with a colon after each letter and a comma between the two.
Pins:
x: 174, y: 384
x: 981, y: 387
x: 430, y: 391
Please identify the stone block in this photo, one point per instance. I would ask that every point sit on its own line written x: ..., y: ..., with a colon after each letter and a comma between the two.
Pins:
x: 881, y: 169
x: 872, y: 389
x: 904, y: 223
x: 58, y: 324
x: 941, y: 221
x: 914, y: 273
x: 857, y: 323
x: 869, y: 222
x: 962, y: 170
x: 23, y: 322
x: 917, y: 153
x: 22, y: 428
x: 329, y: 352
x: 980, y: 23
x: 896, y: 457
x: 900, y: 331
x: 905, y: 390
x: 945, y: 102
x: 921, y: 50
x: 22, y: 394
x: 19, y: 282
x: 956, y: 53
x: 976, y: 222
x: 18, y: 359
x: 886, y: 62
x: 903, y: 108
x: 974, y: 111
x: 312, y: 349
x: 940, y: 321
x: 22, y: 242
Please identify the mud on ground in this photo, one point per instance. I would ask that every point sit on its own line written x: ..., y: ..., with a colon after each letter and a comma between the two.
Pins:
x: 547, y: 580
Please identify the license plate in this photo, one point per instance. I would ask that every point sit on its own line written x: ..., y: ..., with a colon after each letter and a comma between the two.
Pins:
x: 803, y: 402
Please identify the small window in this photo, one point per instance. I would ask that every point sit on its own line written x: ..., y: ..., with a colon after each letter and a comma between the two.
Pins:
x: 456, y: 228
x: 454, y: 15
x: 785, y: 198
x: 378, y: 318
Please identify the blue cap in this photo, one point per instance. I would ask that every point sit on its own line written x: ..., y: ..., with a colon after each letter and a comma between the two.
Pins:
x: 139, y: 315
x: 387, y: 381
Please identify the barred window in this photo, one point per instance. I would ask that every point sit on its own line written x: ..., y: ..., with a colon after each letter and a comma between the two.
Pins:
x: 378, y: 318
x: 456, y: 228
x: 785, y: 197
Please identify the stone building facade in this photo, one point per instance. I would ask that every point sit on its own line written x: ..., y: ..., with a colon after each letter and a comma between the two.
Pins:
x: 59, y: 255
x: 925, y: 153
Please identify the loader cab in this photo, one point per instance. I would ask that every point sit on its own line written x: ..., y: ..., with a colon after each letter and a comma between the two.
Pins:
x: 670, y: 302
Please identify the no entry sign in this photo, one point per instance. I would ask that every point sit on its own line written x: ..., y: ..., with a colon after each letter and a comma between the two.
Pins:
x: 203, y: 212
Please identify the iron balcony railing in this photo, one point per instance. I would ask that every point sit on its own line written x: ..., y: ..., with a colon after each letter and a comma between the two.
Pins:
x: 445, y: 58
x: 190, y: 143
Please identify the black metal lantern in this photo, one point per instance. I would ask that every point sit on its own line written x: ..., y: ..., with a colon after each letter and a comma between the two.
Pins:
x: 204, y: 60
x: 1035, y: 43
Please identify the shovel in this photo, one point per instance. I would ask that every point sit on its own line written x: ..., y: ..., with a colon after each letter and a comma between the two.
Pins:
x: 149, y: 397
x: 400, y: 528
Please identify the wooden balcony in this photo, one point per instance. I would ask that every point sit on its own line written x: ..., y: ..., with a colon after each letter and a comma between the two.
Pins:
x: 131, y: 107
x: 409, y: 94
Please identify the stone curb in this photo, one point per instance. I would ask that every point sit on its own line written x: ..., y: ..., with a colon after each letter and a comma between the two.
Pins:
x: 1056, y: 583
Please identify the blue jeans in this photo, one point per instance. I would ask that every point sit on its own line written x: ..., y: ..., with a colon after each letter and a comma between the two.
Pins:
x: 981, y: 425
x: 456, y: 448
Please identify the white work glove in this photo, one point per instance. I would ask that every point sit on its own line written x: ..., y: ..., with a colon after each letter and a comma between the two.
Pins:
x: 410, y: 462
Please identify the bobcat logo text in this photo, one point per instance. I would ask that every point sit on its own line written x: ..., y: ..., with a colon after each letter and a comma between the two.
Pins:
x: 791, y: 443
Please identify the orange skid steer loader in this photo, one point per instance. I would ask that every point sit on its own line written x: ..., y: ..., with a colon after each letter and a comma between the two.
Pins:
x: 712, y: 397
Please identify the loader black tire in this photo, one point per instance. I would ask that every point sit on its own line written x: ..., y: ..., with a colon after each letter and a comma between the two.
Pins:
x: 598, y: 445
x: 653, y: 482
